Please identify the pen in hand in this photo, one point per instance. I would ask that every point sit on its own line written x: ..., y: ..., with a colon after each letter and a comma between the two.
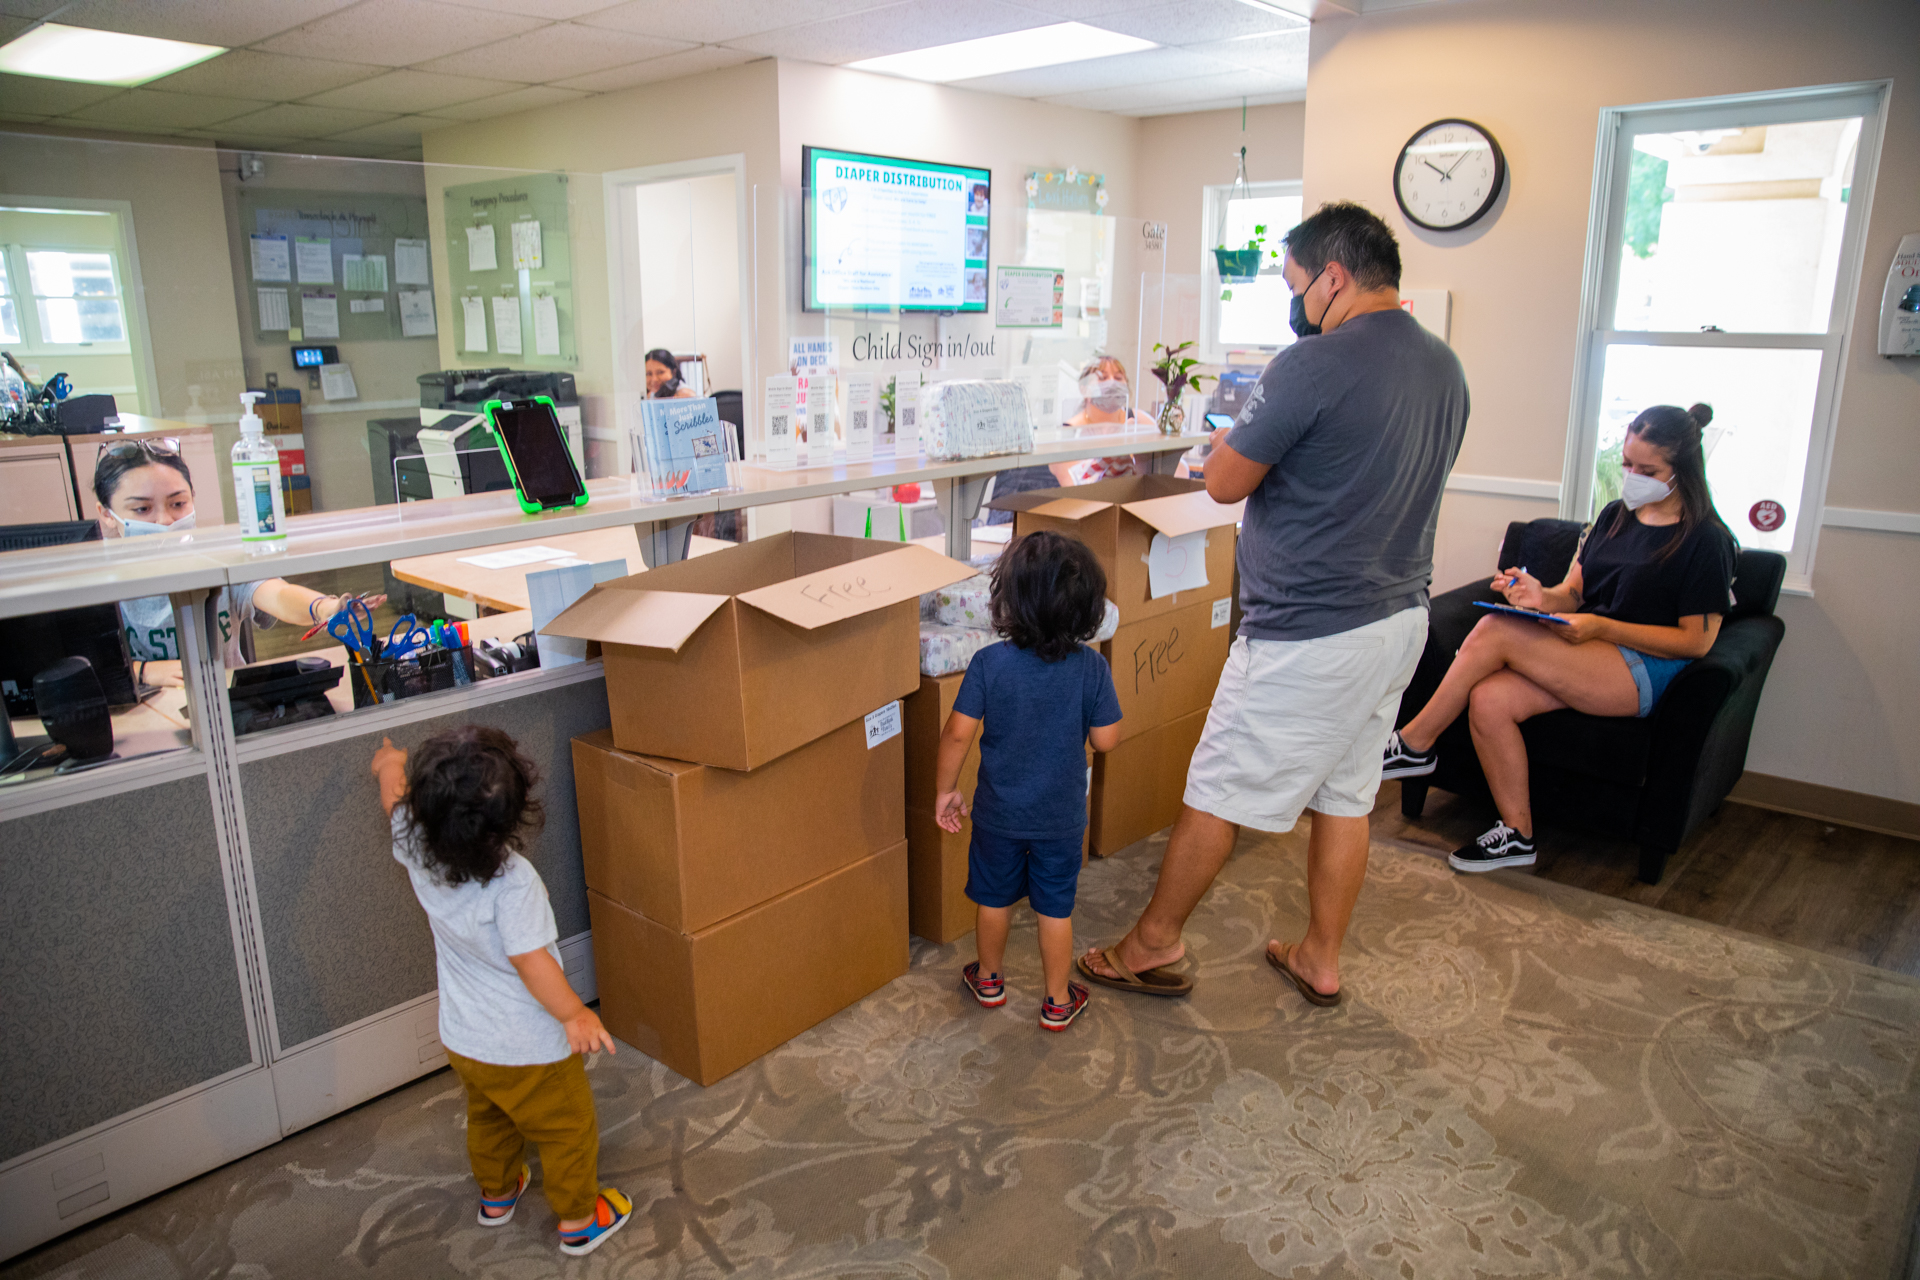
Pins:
x: 1514, y: 579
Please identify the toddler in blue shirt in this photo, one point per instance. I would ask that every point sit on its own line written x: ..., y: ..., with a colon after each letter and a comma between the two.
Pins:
x: 1042, y: 695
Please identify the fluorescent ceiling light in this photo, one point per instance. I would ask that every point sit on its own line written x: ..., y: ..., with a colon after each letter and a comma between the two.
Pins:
x: 55, y: 52
x: 1014, y: 51
x: 1268, y: 6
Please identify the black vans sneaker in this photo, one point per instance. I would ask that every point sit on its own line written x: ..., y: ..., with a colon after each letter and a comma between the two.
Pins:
x: 1402, y: 761
x: 1501, y: 846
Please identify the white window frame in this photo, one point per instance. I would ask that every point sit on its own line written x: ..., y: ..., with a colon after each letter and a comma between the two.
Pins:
x: 33, y: 340
x: 1212, y: 207
x: 1613, y: 157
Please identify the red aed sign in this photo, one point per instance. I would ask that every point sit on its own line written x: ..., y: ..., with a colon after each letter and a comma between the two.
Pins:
x: 1767, y: 515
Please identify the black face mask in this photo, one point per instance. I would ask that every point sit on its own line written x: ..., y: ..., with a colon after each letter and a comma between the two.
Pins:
x: 1297, y: 313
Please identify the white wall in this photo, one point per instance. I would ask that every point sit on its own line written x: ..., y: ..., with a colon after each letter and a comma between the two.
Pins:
x: 1838, y: 709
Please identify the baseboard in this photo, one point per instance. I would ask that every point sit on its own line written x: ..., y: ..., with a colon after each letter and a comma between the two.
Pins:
x: 1828, y: 804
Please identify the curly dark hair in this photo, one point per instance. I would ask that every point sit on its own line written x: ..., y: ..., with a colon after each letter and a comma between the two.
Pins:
x: 1049, y: 594
x: 469, y: 798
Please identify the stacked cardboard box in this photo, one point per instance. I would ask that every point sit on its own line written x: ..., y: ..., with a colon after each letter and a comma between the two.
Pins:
x: 743, y: 820
x: 279, y: 411
x: 1167, y: 654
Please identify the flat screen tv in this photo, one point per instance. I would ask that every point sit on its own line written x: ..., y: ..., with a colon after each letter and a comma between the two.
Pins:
x: 887, y: 234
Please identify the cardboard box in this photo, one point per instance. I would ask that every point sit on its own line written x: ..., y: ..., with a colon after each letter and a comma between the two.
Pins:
x: 1168, y: 666
x: 1118, y: 519
x: 687, y: 844
x: 710, y: 1002
x: 938, y: 908
x: 736, y: 658
x: 1137, y: 787
x: 926, y: 712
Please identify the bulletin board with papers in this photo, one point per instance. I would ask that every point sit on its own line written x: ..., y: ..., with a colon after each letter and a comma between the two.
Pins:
x: 328, y: 266
x: 510, y: 260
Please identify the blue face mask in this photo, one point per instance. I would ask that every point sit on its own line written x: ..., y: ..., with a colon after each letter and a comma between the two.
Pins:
x: 131, y: 528
x: 1297, y: 313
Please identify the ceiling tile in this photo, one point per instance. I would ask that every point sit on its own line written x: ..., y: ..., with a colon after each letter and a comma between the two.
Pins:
x: 1079, y: 10
x: 403, y: 132
x: 152, y: 109
x: 243, y: 73
x: 11, y: 27
x: 1190, y: 22
x: 896, y: 28
x: 552, y: 10
x: 1283, y: 52
x: 557, y: 52
x: 1215, y: 104
x: 29, y: 8
x: 245, y: 141
x: 221, y: 22
x: 505, y: 103
x: 410, y: 91
x: 1206, y: 88
x: 708, y: 57
x: 718, y: 20
x: 31, y: 95
x: 295, y: 121
x: 399, y: 33
x: 1146, y: 67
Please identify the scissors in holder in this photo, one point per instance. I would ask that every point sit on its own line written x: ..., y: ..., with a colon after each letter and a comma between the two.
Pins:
x: 407, y: 636
x: 353, y: 627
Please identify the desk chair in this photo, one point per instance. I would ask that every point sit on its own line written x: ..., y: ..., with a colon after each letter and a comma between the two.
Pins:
x: 1654, y: 780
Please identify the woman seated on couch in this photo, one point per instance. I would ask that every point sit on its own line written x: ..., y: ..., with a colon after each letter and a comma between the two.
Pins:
x: 1643, y: 598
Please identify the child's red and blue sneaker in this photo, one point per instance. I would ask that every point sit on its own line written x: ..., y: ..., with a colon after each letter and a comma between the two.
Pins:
x: 988, y: 988
x: 1058, y: 1017
x: 611, y: 1210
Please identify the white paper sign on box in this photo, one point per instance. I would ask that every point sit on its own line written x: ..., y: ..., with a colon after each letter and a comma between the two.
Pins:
x: 1176, y: 564
x: 883, y: 724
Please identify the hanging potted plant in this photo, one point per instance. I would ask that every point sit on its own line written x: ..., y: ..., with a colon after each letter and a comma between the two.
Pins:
x: 1239, y: 265
x: 1175, y: 370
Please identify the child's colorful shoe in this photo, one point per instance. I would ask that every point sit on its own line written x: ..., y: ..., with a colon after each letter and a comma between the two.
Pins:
x: 610, y: 1213
x: 1058, y: 1017
x: 989, y: 990
x: 509, y: 1203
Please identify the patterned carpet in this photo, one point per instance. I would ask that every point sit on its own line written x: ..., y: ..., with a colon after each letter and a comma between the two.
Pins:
x: 1526, y: 1080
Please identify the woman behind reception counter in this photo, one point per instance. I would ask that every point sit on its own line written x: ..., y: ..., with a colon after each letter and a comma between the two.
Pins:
x: 144, y: 488
x: 663, y: 377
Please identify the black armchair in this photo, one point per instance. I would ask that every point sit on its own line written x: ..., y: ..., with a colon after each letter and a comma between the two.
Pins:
x: 1653, y: 780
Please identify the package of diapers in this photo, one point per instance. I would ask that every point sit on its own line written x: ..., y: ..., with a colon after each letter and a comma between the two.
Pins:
x: 945, y: 651
x: 974, y: 418
x: 964, y: 604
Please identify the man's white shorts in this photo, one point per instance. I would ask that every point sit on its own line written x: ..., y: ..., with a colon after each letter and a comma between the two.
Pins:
x: 1302, y: 724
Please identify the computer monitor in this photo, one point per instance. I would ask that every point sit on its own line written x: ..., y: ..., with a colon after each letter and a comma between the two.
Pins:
x: 30, y: 645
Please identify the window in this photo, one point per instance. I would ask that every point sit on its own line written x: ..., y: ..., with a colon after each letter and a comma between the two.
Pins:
x: 1723, y: 270
x: 1255, y: 316
x: 76, y: 297
x: 62, y: 283
x: 9, y: 312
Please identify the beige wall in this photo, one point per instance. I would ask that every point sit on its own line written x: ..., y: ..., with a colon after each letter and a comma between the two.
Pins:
x: 1176, y: 156
x: 1838, y: 708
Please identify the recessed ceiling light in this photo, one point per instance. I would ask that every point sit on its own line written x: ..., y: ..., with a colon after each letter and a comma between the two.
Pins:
x: 1268, y: 6
x: 1013, y: 51
x: 55, y: 52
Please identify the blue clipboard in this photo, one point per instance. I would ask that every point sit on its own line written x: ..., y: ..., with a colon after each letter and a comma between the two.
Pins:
x: 1518, y: 612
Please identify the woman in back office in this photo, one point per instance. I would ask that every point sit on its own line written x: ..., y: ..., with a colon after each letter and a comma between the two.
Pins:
x: 663, y: 377
x: 1643, y: 598
x: 143, y: 488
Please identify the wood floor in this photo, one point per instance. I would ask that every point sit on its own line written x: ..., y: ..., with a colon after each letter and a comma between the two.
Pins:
x: 1837, y: 890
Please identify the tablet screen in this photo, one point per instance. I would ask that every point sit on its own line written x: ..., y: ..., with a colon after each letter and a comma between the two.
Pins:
x: 538, y: 448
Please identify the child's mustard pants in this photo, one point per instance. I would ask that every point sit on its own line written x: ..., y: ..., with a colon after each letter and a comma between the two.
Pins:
x: 550, y: 1105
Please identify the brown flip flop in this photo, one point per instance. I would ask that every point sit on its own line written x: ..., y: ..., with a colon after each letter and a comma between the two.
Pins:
x: 1320, y: 998
x: 1151, y: 982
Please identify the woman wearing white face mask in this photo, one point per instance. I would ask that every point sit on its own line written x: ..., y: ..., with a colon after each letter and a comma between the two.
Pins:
x: 1104, y: 391
x: 1643, y: 598
x: 143, y: 488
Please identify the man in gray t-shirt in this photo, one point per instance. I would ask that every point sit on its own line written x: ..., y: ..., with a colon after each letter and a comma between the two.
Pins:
x: 1341, y: 453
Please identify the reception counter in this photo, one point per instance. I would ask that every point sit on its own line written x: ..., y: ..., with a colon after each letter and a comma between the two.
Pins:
x: 208, y: 945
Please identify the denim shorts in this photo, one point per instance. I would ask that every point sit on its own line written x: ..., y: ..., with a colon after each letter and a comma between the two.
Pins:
x: 1001, y: 870
x: 1651, y: 675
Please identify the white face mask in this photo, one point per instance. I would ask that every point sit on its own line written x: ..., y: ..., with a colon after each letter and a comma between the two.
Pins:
x: 131, y: 528
x: 1637, y: 490
x: 1108, y: 394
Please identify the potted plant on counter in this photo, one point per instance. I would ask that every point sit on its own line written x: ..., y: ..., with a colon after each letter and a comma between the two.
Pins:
x: 1175, y: 370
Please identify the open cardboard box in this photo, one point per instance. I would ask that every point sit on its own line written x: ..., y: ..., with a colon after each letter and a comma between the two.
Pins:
x: 738, y: 657
x: 688, y: 844
x: 710, y: 1002
x: 1168, y: 666
x: 1139, y: 785
x: 1117, y: 520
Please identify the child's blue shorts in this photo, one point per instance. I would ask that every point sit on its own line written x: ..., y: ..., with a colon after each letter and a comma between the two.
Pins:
x: 1001, y: 870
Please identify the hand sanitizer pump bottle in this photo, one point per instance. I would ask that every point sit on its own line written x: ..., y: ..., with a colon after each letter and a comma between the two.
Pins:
x: 256, y: 484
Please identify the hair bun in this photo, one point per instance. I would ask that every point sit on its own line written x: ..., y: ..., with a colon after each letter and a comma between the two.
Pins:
x: 1701, y: 414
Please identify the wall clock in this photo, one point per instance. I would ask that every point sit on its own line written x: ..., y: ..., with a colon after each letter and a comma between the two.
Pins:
x: 1448, y: 175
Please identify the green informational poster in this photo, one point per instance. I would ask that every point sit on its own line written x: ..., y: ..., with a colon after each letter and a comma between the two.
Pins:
x: 510, y: 258
x: 331, y: 266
